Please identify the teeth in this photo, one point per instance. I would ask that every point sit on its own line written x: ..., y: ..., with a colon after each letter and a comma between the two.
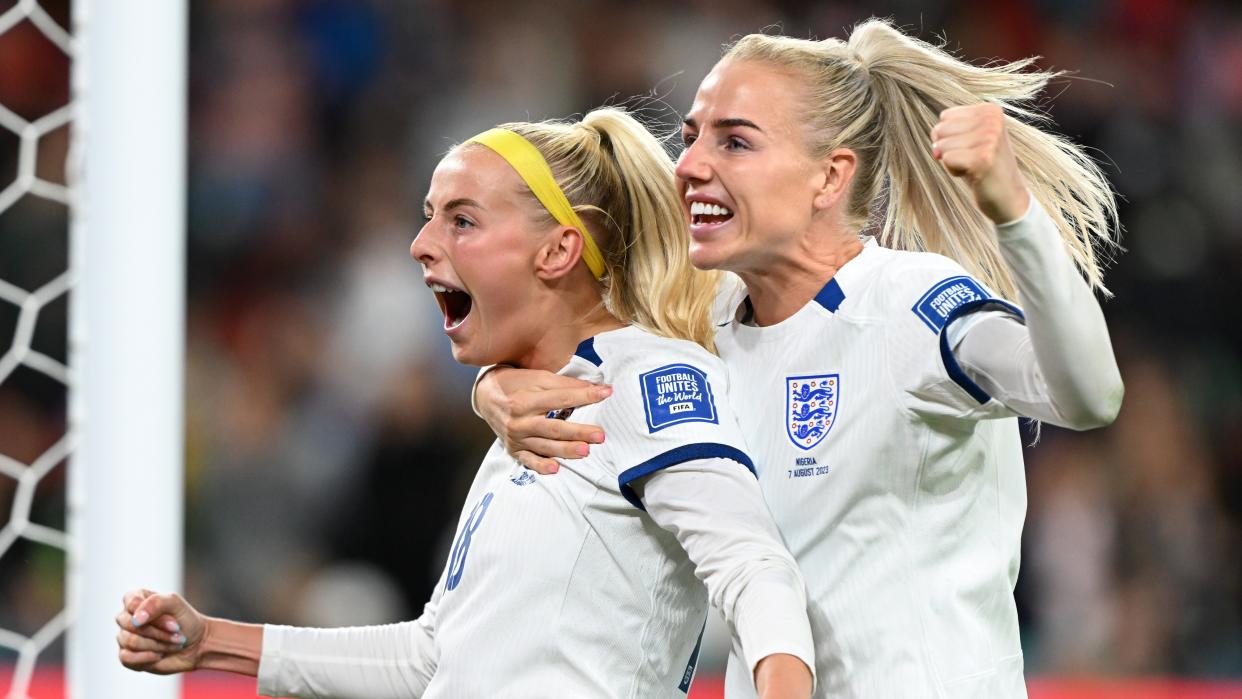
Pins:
x: 441, y: 289
x: 702, y: 208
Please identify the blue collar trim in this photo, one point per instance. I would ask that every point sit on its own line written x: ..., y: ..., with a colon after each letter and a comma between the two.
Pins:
x: 586, y: 350
x: 831, y: 296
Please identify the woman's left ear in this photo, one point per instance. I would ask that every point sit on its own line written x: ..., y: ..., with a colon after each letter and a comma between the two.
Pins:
x: 835, y: 175
x: 559, y: 254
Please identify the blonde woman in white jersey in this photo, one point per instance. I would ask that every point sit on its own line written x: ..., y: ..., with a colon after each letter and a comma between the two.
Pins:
x: 878, y: 379
x: 558, y: 246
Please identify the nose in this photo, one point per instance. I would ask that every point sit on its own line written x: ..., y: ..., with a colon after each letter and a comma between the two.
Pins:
x: 692, y: 165
x: 423, y: 247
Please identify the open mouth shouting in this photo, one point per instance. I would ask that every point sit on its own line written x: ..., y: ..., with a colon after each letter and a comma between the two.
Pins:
x: 455, y: 304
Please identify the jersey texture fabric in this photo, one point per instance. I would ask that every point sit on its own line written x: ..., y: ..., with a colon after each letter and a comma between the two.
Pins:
x: 896, y: 481
x: 566, y: 585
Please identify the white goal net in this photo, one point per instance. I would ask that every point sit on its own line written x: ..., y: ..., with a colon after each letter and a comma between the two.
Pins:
x: 91, y: 334
x: 33, y: 294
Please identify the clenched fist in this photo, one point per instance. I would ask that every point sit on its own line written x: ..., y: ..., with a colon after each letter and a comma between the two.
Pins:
x: 160, y: 634
x: 973, y: 143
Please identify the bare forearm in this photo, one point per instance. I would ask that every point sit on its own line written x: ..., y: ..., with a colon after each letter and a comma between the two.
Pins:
x: 782, y: 676
x: 232, y: 646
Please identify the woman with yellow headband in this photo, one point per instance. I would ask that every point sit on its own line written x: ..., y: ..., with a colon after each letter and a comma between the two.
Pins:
x: 559, y: 247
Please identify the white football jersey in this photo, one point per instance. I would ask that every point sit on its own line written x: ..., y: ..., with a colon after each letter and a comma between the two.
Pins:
x: 563, y: 586
x: 895, y: 489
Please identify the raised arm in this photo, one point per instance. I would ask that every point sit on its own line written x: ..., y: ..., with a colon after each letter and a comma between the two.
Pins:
x: 518, y: 405
x: 715, y: 509
x: 1060, y: 366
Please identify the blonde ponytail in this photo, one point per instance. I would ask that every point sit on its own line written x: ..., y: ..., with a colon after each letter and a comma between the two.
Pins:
x: 619, y: 179
x: 881, y: 92
x: 656, y: 286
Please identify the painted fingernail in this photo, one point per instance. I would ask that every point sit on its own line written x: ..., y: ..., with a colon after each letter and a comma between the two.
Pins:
x: 173, y: 627
x: 554, y: 468
x: 605, y: 391
x: 582, y: 450
x: 179, y: 639
x: 597, y: 437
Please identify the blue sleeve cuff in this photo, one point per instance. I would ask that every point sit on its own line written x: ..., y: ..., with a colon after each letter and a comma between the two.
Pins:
x: 946, y: 355
x: 680, y: 455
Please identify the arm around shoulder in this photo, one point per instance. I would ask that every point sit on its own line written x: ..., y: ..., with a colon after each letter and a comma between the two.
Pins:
x: 517, y: 405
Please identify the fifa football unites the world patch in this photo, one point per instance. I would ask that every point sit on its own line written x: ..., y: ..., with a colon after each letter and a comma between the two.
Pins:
x: 676, y: 393
x: 946, y: 296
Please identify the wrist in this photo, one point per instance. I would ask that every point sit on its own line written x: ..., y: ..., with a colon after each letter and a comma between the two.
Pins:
x: 1015, y: 214
x: 230, y: 646
x: 1008, y: 205
x: 485, y: 373
x: 784, y: 676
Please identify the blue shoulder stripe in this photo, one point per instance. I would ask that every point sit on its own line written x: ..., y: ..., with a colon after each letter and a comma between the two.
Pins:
x: 946, y: 355
x: 679, y: 455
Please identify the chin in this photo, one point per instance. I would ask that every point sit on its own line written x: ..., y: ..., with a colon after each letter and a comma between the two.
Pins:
x: 471, y: 355
x: 462, y: 354
x: 707, y: 256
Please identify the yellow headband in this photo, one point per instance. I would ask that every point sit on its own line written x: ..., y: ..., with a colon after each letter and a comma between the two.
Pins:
x: 534, y: 170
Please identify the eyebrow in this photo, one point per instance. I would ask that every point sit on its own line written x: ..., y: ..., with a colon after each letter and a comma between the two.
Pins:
x: 725, y: 123
x: 453, y: 204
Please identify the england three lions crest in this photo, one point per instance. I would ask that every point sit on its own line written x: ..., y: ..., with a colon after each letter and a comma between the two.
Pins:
x: 811, y: 404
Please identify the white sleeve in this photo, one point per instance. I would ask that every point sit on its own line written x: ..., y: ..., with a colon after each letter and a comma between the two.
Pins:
x: 715, y: 509
x: 395, y: 661
x: 1059, y: 367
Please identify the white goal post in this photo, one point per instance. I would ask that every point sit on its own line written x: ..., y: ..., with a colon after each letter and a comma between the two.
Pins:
x: 127, y: 174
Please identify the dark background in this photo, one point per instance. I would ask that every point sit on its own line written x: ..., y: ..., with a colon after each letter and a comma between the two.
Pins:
x: 329, y: 434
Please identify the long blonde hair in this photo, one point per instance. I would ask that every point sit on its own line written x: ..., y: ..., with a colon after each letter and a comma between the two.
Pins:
x: 619, y: 179
x: 881, y: 92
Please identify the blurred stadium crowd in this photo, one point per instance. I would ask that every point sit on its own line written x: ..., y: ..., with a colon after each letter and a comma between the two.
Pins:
x: 330, y: 437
